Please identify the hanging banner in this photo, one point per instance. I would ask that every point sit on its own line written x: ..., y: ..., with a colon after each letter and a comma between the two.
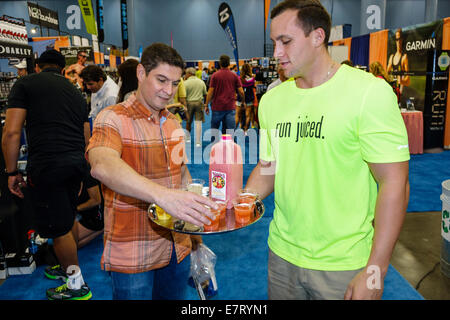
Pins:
x: 88, y: 16
x: 124, y: 23
x: 373, y: 15
x: 227, y: 22
x: 436, y: 99
x: 43, y: 16
x: 101, y: 30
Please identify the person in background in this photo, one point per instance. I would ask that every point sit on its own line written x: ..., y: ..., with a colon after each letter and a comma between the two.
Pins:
x: 128, y: 81
x: 378, y: 71
x: 178, y: 105
x: 248, y: 85
x: 21, y: 68
x: 104, y: 89
x: 334, y: 229
x: 137, y: 151
x: 348, y: 62
x: 222, y: 94
x: 58, y: 131
x: 89, y: 224
x: 195, y: 94
x: 281, y: 78
x: 198, y: 72
x: 205, y: 75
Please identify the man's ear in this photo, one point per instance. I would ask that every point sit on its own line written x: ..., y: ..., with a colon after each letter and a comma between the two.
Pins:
x: 140, y: 72
x: 318, y: 37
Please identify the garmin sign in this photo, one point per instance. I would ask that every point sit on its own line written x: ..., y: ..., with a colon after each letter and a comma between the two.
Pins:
x: 43, y: 16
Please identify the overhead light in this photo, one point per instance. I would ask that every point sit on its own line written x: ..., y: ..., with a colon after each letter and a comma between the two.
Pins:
x: 108, y: 48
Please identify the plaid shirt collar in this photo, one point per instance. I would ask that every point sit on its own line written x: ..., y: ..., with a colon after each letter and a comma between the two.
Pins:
x: 144, y: 111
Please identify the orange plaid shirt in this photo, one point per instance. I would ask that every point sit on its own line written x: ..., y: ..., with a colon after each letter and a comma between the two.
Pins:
x: 132, y: 242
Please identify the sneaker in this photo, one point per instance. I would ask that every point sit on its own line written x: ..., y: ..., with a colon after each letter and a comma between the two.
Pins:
x: 64, y: 293
x: 55, y: 273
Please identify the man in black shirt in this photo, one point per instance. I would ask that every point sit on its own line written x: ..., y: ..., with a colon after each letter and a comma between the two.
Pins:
x: 57, y: 130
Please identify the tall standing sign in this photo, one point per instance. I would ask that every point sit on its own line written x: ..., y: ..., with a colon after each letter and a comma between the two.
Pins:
x: 124, y: 23
x: 226, y: 20
x: 436, y: 99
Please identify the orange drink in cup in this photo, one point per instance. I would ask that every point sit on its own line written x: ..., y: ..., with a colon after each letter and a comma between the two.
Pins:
x: 242, y: 212
x: 214, y: 226
x: 222, y: 208
x: 247, y: 196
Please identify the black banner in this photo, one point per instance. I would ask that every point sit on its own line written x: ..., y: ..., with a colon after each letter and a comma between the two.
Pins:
x: 100, y: 28
x: 435, y: 99
x: 124, y: 24
x: 226, y: 20
x: 43, y: 16
x: 15, y: 50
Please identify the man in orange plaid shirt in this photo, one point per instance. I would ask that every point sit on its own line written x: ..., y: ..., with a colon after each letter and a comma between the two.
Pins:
x: 137, y: 151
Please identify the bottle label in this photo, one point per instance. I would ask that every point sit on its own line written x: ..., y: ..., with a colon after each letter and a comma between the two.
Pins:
x: 218, y: 185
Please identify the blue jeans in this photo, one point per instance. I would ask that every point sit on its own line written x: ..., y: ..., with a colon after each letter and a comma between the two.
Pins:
x: 227, y: 118
x: 167, y: 283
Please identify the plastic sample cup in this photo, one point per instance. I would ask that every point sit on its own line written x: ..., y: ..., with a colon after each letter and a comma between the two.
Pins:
x: 196, y: 186
x: 242, y: 212
x: 222, y: 208
x: 214, y: 226
x: 247, y: 196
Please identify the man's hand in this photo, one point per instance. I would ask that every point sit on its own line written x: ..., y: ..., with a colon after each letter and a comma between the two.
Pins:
x: 187, y: 206
x: 365, y: 286
x: 15, y: 183
x: 206, y: 109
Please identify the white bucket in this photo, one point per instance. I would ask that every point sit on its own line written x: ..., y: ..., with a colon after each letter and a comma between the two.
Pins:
x: 445, y: 228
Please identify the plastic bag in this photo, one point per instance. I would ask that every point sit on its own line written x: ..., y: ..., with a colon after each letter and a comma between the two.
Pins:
x: 202, y: 276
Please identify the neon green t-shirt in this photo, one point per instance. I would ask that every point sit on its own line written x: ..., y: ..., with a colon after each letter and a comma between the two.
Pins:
x: 321, y: 139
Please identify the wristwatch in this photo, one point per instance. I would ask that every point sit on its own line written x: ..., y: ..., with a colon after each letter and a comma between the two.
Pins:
x: 10, y: 174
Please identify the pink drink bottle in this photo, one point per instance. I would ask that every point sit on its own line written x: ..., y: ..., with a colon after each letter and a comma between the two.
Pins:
x: 225, y: 170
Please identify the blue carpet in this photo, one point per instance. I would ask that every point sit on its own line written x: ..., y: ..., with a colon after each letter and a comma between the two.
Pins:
x: 426, y: 173
x: 241, y: 268
x: 241, y: 271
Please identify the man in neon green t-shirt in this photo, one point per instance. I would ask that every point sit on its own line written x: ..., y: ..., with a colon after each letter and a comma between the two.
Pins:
x: 334, y: 150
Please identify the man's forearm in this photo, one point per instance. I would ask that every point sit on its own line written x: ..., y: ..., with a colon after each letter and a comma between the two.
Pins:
x: 262, y: 179
x: 10, y: 147
x: 111, y: 172
x: 389, y: 216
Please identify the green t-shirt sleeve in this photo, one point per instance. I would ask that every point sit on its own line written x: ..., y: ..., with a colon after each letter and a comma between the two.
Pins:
x: 382, y: 132
x: 265, y: 136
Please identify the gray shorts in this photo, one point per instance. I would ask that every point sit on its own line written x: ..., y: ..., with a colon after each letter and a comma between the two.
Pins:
x: 287, y: 281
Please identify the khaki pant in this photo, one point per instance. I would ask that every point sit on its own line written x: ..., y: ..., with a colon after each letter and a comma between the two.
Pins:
x: 290, y: 282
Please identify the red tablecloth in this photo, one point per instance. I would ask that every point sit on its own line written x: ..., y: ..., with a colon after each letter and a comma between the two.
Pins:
x: 414, y: 126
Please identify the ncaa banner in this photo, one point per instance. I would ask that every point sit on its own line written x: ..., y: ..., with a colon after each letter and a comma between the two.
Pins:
x: 227, y: 22
x: 88, y: 16
x: 101, y: 30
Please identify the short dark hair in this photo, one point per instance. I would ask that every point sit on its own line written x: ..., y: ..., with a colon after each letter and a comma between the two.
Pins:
x: 157, y: 53
x: 92, y: 73
x: 224, y: 61
x: 311, y: 14
x: 51, y: 58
